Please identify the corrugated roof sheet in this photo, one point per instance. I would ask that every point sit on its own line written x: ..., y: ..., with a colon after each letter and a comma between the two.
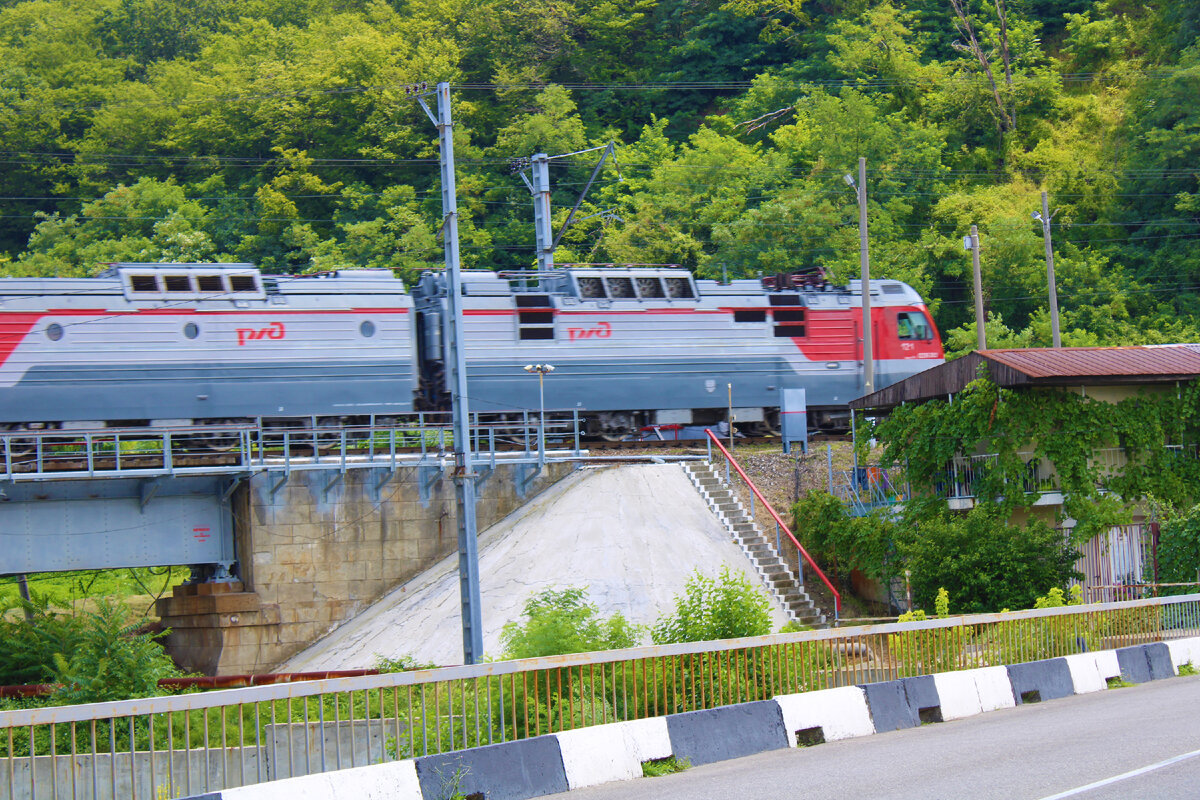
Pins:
x: 1071, y: 362
x: 1044, y: 367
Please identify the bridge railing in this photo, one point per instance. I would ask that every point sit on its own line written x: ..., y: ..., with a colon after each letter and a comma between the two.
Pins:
x: 193, y: 743
x: 207, y: 449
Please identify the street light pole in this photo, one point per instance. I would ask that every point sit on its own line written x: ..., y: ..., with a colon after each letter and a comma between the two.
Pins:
x: 541, y: 370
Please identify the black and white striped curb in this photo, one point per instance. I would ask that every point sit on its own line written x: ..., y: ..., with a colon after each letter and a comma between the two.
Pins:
x: 588, y: 756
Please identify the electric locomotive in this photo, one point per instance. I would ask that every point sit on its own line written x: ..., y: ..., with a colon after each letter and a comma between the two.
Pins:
x: 184, y: 344
x: 190, y: 344
x: 636, y: 346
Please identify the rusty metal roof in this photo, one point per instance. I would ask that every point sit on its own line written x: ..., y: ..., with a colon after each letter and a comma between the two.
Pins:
x: 1064, y: 366
x: 1073, y: 362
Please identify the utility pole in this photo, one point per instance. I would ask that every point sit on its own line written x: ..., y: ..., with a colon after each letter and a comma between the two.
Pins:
x: 1045, y: 219
x: 864, y: 259
x: 980, y: 333
x: 464, y: 472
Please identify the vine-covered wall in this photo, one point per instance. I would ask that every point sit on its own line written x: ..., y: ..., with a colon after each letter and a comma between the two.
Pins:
x: 1157, y: 427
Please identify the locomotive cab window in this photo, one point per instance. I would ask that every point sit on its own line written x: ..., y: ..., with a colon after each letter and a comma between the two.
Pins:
x: 242, y: 283
x: 912, y: 326
x: 210, y: 283
x: 177, y: 283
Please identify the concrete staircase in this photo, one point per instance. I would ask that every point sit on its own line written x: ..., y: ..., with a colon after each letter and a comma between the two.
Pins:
x: 760, y: 549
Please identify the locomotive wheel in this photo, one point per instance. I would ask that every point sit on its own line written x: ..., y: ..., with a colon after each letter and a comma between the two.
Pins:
x: 614, y: 426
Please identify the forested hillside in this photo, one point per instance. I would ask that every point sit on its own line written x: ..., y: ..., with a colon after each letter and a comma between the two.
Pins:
x: 279, y: 132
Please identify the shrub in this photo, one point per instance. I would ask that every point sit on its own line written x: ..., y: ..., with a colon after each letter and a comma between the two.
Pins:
x: 562, y: 621
x: 724, y: 607
x: 985, y: 563
x: 1179, y: 551
x: 111, y: 660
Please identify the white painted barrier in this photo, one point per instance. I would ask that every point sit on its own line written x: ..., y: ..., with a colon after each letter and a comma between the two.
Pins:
x: 396, y: 780
x: 613, y: 752
x: 840, y: 713
x: 1085, y: 673
x: 973, y: 691
x: 1185, y: 651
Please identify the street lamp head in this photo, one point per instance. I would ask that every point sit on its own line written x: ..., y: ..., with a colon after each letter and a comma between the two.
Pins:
x: 849, y: 179
x: 1037, y: 215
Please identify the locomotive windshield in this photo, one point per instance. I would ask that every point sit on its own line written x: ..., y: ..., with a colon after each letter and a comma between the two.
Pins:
x: 913, y: 326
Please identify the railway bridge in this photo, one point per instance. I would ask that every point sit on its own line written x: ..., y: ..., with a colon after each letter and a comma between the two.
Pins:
x: 288, y: 532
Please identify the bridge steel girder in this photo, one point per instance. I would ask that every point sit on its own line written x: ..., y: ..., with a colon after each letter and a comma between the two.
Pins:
x: 51, y: 526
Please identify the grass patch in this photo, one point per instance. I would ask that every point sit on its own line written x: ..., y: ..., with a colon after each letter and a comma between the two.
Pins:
x: 1187, y: 668
x: 1118, y: 682
x: 657, y: 767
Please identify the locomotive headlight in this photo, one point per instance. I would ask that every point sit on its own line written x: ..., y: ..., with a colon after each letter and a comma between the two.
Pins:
x: 832, y: 364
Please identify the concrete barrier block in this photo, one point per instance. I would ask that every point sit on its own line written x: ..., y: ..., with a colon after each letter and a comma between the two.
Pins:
x: 305, y: 787
x: 1049, y: 679
x: 717, y: 734
x: 959, y: 694
x: 510, y: 771
x: 1085, y: 673
x: 890, y: 710
x: 1135, y: 667
x: 840, y: 713
x: 1184, y: 651
x: 596, y: 755
x: 995, y: 688
x: 923, y: 698
x: 648, y: 738
x: 395, y: 780
x: 1158, y: 656
x: 1106, y: 662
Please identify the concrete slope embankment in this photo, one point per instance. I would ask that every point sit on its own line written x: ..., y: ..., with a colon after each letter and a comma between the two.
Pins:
x: 631, y: 534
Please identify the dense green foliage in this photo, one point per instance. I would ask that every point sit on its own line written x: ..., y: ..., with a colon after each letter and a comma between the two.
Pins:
x: 1108, y: 458
x: 279, y: 133
x: 1103, y: 456
x: 985, y: 563
x: 1179, y: 551
x: 559, y: 621
x: 725, y: 606
x: 67, y: 589
x: 93, y: 656
x: 982, y: 560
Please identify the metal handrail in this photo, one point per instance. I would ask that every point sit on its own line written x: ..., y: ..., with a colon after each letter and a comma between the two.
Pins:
x: 837, y: 597
x: 196, y: 743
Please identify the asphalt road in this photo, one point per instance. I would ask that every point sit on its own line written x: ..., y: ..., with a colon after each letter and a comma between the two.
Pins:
x: 1047, y: 750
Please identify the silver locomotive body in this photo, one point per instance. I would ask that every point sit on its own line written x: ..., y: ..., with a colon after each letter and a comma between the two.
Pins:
x: 634, y: 347
x: 194, y: 343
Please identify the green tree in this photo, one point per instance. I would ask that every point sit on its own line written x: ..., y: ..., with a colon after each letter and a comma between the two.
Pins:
x: 985, y: 563
x: 726, y: 606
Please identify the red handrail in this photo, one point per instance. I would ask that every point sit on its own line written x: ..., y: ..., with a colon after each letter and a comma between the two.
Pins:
x: 837, y: 597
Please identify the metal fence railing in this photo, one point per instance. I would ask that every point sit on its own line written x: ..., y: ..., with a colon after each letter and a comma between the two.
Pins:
x: 35, y: 455
x: 186, y: 744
